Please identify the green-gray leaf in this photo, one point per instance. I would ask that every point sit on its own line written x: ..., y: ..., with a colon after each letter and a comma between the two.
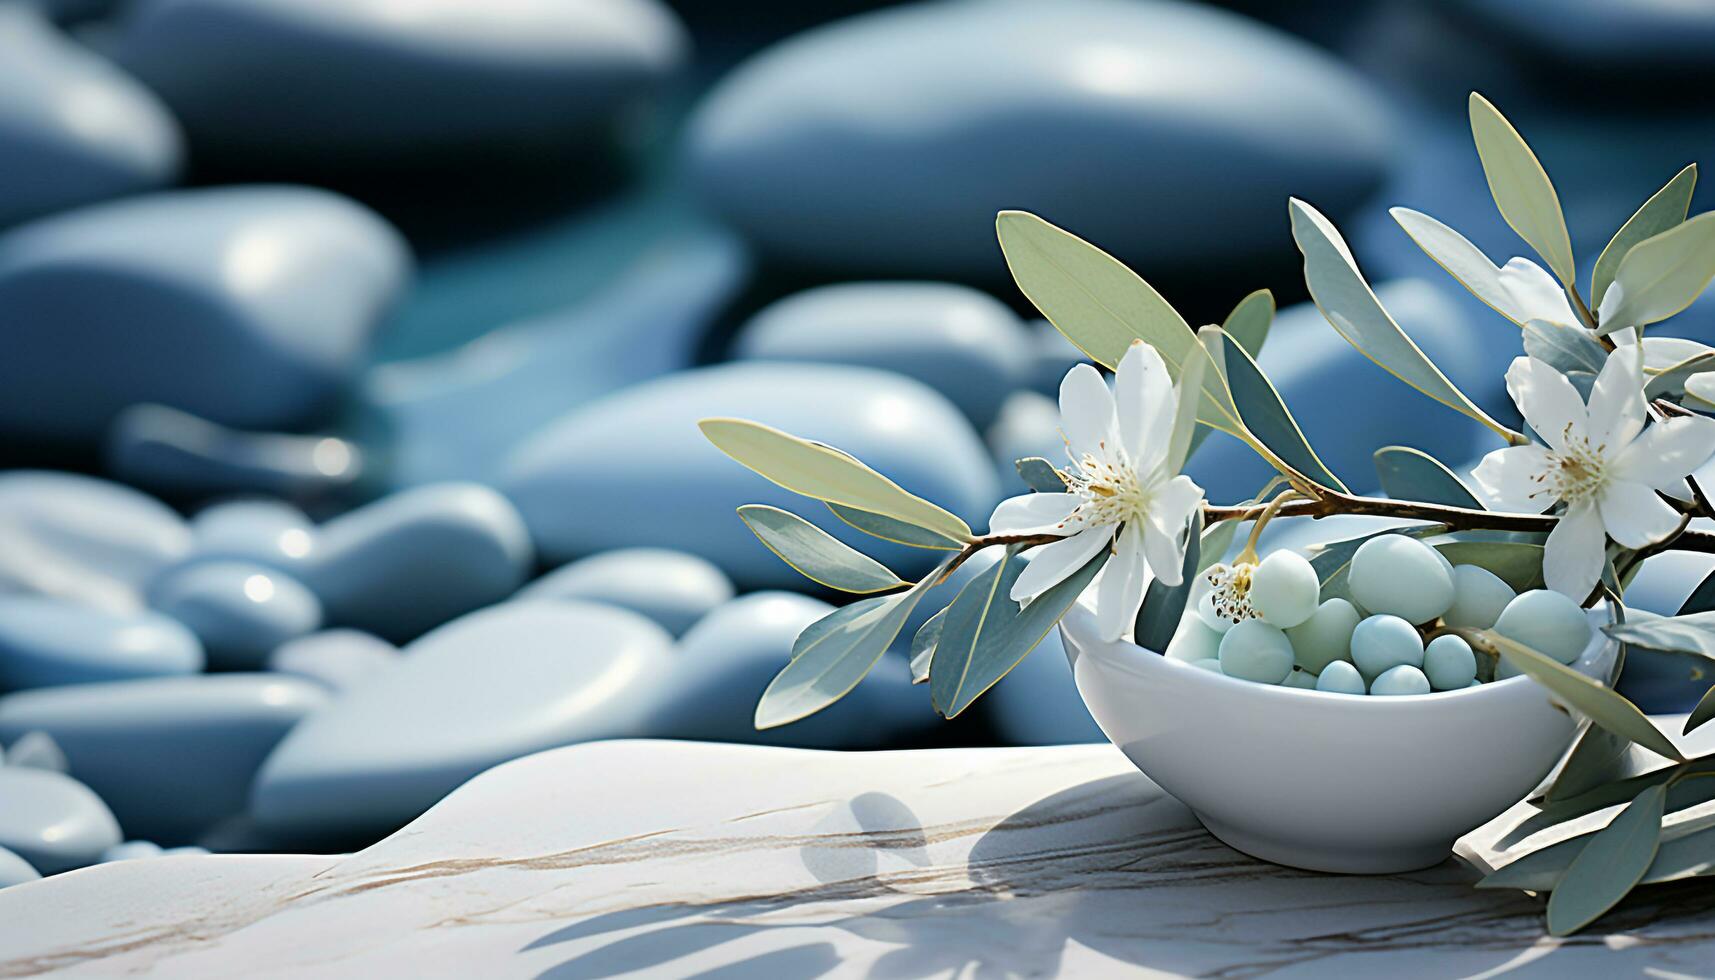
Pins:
x: 888, y: 529
x: 1610, y: 864
x: 1567, y: 349
x: 1602, y: 705
x: 1597, y: 758
x: 1684, y: 793
x: 923, y: 646
x: 1348, y: 303
x: 1517, y: 563
x: 1692, y: 633
x: 1662, y: 275
x: 1249, y: 322
x: 1521, y: 188
x: 834, y: 653
x: 1462, y: 260
x: 986, y: 634
x: 1040, y: 475
x: 1665, y: 209
x: 1671, y: 381
x: 1163, y: 606
x: 1265, y: 414
x: 1701, y: 599
x: 826, y: 473
x: 816, y: 554
x: 1412, y: 474
x: 1102, y: 306
x: 1701, y: 714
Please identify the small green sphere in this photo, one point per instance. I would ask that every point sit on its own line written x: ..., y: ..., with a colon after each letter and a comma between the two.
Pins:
x: 1284, y: 589
x: 1256, y: 651
x: 1404, y: 679
x: 1381, y: 643
x: 1326, y: 636
x: 1449, y: 663
x: 1479, y: 595
x: 1302, y: 679
x: 1548, y: 623
x: 1194, y: 640
x: 1340, y: 677
x: 1402, y: 577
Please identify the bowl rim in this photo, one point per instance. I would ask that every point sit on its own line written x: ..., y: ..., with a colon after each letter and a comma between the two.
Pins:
x: 1079, y: 623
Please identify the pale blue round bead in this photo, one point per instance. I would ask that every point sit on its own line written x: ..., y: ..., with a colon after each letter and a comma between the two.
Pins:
x: 1256, y: 651
x: 1383, y: 642
x: 1194, y: 640
x: 1404, y: 679
x: 1340, y: 677
x: 1449, y: 663
x: 1326, y: 636
x: 1301, y: 679
x: 1402, y: 577
x: 1548, y: 623
x: 1284, y: 589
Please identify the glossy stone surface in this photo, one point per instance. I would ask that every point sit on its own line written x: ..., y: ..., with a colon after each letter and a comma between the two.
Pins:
x: 239, y: 610
x: 366, y: 81
x: 417, y: 558
x: 171, y: 756
x: 889, y: 141
x: 14, y: 870
x: 722, y: 665
x: 964, y: 343
x: 37, y: 750
x: 263, y: 531
x: 248, y: 306
x: 456, y: 415
x: 1028, y: 425
x: 673, y: 588
x: 489, y: 687
x: 52, y: 820
x: 335, y: 659
x: 177, y: 452
x: 1081, y: 867
x: 48, y: 642
x: 81, y: 538
x: 74, y: 128
x: 895, y: 425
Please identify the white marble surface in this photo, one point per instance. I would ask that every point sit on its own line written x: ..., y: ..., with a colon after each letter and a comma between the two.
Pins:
x: 682, y: 859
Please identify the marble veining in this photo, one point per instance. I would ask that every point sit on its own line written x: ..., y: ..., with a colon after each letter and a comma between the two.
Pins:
x: 785, y: 863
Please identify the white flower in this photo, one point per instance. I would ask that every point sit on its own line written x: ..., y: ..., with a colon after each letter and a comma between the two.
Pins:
x: 1599, y: 462
x: 1534, y: 294
x: 1120, y: 492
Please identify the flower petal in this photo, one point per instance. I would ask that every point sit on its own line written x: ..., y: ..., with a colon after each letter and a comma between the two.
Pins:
x: 1572, y: 560
x: 1546, y: 400
x: 1667, y: 452
x: 1535, y: 293
x: 1049, y: 566
x: 1510, y: 478
x: 1087, y: 412
x: 1166, y: 553
x: 1035, y: 513
x: 1634, y: 516
x: 1616, y: 407
x: 1120, y: 594
x: 1143, y: 400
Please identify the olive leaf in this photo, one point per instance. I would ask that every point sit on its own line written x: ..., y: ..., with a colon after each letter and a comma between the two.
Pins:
x: 1348, y: 303
x: 1164, y: 605
x: 1102, y: 306
x: 923, y: 646
x: 1665, y: 209
x: 1691, y: 633
x: 888, y: 529
x: 1600, y: 704
x: 1596, y: 758
x: 1412, y: 474
x: 1662, y: 275
x: 1462, y: 260
x: 1040, y: 475
x: 985, y: 633
x: 816, y: 554
x: 1249, y: 321
x: 1521, y: 188
x: 1567, y: 349
x: 1685, y: 792
x: 1517, y: 563
x: 824, y: 473
x: 1611, y: 863
x: 834, y: 653
x: 1700, y: 714
x: 1265, y: 414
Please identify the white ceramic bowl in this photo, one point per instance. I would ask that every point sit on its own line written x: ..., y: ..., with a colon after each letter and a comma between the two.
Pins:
x: 1329, y: 782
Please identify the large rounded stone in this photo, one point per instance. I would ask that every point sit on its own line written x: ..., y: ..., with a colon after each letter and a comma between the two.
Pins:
x: 1167, y: 132
x: 673, y: 588
x: 248, y: 306
x: 367, y: 81
x: 633, y: 469
x: 52, y: 820
x: 73, y: 128
x: 492, y: 686
x: 171, y: 756
x: 239, y: 610
x: 48, y: 642
x: 963, y: 343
